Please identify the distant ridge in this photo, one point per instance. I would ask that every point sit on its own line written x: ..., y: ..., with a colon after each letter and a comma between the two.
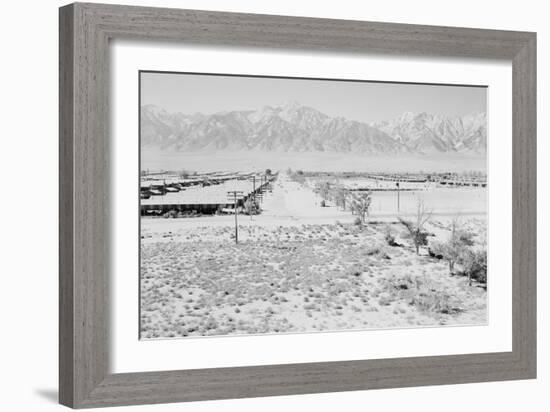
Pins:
x: 292, y: 127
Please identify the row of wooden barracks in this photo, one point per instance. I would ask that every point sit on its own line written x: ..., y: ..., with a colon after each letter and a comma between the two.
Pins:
x: 202, y: 194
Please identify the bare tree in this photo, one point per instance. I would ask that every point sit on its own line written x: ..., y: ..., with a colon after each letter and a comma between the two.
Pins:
x: 251, y: 207
x: 416, y: 228
x: 341, y: 195
x: 474, y: 263
x: 360, y: 205
x: 323, y: 188
x: 456, y: 247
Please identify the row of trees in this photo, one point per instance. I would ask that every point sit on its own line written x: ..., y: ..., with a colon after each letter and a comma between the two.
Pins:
x: 458, y: 249
x: 357, y: 202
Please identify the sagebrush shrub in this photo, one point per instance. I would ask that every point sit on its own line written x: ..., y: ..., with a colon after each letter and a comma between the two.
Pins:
x: 474, y: 263
x: 389, y: 236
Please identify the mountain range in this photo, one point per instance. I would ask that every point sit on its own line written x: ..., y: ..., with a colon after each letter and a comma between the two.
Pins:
x: 293, y: 127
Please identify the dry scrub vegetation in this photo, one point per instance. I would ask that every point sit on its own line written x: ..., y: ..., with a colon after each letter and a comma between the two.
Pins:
x: 304, y: 278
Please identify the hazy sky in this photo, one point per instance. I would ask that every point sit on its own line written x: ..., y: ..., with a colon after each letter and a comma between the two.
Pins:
x: 363, y: 101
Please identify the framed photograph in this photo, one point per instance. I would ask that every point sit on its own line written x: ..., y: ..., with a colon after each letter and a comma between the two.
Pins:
x: 257, y: 205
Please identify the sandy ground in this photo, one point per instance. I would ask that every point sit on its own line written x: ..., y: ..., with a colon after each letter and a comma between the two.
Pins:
x: 298, y: 267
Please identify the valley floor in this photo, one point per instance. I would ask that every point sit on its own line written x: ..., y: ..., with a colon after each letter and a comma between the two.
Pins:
x: 298, y: 267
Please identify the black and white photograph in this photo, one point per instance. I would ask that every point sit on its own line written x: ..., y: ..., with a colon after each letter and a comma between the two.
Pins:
x: 285, y: 205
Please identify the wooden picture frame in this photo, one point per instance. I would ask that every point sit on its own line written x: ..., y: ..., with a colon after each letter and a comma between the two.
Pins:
x: 85, y: 31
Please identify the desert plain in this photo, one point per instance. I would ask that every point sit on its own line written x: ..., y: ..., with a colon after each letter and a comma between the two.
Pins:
x: 299, y: 266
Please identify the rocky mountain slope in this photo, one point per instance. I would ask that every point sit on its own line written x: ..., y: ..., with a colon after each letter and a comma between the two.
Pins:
x: 292, y: 127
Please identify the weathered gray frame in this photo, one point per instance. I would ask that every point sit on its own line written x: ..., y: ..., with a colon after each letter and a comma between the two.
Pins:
x: 85, y: 31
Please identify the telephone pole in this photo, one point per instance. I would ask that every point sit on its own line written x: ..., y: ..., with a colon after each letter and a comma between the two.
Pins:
x: 254, y: 189
x: 262, y: 181
x: 397, y: 184
x: 235, y: 195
